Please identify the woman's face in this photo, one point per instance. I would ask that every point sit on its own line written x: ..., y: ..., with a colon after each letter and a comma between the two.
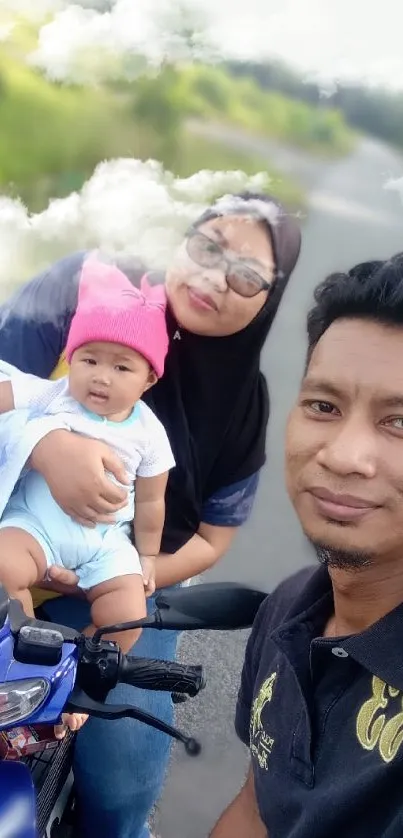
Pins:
x: 200, y: 297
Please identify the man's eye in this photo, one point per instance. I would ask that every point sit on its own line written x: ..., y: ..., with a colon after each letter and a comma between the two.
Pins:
x: 320, y: 407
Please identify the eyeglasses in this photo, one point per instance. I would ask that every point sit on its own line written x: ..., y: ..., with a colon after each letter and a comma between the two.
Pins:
x: 209, y: 254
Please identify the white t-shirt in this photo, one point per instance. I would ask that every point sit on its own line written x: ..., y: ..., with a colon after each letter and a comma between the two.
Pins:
x: 140, y: 441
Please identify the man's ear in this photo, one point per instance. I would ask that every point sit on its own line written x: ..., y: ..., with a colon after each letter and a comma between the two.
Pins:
x: 151, y: 380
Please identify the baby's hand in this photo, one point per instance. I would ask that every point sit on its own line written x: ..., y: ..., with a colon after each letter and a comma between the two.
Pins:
x: 73, y: 721
x: 148, y: 568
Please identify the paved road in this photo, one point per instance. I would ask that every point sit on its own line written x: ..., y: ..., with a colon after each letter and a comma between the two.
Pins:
x: 350, y: 218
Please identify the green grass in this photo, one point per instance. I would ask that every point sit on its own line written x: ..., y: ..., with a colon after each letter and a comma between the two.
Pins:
x: 211, y: 92
x: 53, y: 136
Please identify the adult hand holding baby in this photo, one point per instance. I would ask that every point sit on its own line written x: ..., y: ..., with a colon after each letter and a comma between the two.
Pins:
x: 74, y: 469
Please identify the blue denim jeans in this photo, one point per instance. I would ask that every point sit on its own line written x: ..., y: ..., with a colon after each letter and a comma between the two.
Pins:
x: 120, y: 765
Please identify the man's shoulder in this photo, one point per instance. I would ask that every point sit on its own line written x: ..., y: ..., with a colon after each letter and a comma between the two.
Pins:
x: 280, y: 605
x: 276, y: 610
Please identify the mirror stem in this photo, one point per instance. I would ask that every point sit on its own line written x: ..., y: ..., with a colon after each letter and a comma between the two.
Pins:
x: 146, y: 622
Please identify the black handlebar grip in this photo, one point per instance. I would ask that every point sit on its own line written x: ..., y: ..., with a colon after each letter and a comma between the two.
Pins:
x: 161, y: 675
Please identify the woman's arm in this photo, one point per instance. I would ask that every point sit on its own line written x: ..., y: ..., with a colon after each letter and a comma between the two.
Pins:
x: 34, y: 322
x: 200, y: 553
x: 74, y: 468
x: 223, y: 514
x: 69, y: 588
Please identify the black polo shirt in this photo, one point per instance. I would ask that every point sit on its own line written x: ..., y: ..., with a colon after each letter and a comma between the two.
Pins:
x: 323, y: 717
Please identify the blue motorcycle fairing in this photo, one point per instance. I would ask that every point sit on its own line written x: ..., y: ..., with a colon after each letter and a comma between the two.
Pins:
x: 17, y: 801
x: 60, y: 677
x: 17, y: 791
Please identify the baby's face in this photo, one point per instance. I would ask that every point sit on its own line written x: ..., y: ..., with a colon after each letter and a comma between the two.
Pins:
x: 109, y: 378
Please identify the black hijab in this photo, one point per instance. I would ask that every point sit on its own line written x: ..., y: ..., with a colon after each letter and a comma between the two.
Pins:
x: 212, y: 399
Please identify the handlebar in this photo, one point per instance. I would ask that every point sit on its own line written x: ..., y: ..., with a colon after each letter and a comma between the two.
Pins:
x: 161, y: 675
x: 99, y: 664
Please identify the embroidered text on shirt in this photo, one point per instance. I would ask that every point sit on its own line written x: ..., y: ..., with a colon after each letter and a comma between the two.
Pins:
x: 261, y: 744
x: 373, y: 728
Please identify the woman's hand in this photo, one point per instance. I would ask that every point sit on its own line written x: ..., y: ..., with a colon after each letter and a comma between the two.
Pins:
x: 148, y: 568
x: 62, y: 581
x: 74, y: 469
x: 70, y: 721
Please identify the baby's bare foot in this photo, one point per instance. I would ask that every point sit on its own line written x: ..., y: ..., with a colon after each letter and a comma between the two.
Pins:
x: 70, y: 721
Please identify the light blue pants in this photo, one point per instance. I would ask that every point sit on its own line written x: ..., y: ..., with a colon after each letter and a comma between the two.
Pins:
x: 120, y: 765
x: 95, y: 554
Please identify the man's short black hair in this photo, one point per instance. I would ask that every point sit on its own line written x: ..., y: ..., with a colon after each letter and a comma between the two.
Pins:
x: 369, y: 291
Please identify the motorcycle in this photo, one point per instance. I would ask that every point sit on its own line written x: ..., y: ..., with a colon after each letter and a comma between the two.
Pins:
x: 47, y: 669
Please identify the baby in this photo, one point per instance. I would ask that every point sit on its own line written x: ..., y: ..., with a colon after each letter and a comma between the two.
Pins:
x: 116, y: 350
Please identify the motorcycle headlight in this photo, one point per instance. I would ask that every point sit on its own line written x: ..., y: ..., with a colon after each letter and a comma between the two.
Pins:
x: 19, y: 699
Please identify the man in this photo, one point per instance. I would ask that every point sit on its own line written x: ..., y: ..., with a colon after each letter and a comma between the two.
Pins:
x: 321, y: 698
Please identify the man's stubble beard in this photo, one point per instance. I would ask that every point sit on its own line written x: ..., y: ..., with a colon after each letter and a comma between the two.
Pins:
x: 352, y: 560
x: 330, y: 556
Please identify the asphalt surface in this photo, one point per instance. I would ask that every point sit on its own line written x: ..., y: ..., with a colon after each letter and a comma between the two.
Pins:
x: 350, y: 218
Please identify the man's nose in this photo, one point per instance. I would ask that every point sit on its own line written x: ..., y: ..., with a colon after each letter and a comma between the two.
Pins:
x: 351, y: 450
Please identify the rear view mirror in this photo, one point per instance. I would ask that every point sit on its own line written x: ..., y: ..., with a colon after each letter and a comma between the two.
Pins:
x: 218, y: 606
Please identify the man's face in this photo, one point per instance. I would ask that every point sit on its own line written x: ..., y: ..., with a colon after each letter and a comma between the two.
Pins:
x: 344, y: 450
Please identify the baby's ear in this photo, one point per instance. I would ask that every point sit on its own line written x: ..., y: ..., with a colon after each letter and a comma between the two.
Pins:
x: 151, y: 379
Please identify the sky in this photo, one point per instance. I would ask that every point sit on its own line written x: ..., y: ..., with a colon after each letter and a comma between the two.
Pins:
x: 334, y: 38
x: 324, y: 39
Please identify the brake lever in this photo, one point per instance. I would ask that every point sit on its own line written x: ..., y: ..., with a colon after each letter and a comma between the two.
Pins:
x: 80, y: 702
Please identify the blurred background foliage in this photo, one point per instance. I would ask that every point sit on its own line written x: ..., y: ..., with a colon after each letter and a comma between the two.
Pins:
x: 53, y: 135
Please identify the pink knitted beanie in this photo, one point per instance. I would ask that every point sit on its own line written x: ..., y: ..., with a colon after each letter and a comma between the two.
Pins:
x: 111, y: 309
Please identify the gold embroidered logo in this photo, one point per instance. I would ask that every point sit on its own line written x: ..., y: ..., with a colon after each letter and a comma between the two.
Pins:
x: 373, y: 728
x: 261, y: 744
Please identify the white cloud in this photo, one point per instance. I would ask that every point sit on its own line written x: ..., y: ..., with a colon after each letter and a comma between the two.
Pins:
x: 84, y: 45
x: 338, y: 38
x: 128, y: 206
x: 328, y: 38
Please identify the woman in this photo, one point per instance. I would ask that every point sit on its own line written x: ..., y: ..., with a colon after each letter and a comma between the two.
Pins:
x: 224, y: 288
